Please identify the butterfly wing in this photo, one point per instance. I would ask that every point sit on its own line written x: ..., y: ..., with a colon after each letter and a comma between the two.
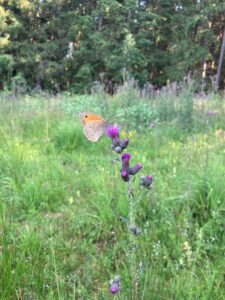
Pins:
x: 94, y: 125
x: 93, y: 130
x: 86, y: 117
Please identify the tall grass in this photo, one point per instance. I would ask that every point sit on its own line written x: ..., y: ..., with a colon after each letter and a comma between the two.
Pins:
x: 59, y: 237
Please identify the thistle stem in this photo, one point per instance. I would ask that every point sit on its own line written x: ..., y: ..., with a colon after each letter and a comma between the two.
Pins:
x: 132, y: 245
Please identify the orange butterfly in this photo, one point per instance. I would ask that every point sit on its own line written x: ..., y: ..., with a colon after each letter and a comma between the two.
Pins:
x: 94, y: 125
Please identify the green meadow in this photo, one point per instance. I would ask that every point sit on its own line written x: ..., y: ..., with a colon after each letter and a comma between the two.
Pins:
x: 62, y: 198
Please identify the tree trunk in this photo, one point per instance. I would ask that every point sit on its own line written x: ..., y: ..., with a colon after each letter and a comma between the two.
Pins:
x: 219, y: 69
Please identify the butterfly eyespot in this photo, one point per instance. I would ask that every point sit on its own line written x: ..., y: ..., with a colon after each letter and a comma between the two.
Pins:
x: 86, y: 116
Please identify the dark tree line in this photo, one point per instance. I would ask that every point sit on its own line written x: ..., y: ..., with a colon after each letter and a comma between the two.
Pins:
x: 69, y: 44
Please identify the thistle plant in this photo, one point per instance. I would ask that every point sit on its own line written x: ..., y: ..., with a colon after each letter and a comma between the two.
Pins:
x: 128, y: 173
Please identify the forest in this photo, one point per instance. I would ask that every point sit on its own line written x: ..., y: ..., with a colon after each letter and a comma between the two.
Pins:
x: 59, y: 45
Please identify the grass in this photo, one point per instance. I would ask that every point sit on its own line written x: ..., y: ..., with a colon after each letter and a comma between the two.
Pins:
x: 59, y: 236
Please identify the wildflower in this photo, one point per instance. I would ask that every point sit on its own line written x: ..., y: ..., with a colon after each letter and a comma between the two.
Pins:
x: 131, y: 133
x: 112, y: 131
x: 114, y: 288
x: 124, y: 175
x: 114, y: 284
x: 134, y: 229
x: 117, y: 149
x: 125, y: 165
x: 125, y: 143
x: 135, y: 169
x: 125, y: 160
x: 118, y: 145
x: 152, y: 125
x: 211, y: 113
x: 146, y: 181
x: 188, y: 251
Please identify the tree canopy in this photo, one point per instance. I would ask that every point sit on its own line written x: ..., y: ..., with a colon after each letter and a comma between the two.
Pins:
x: 69, y: 44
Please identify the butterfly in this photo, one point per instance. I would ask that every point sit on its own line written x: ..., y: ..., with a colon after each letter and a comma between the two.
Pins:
x: 94, y: 125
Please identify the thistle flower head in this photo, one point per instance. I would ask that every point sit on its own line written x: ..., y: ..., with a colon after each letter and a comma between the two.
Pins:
x: 124, y: 175
x: 117, y: 149
x: 119, y: 145
x: 125, y: 143
x: 138, y: 166
x: 146, y: 181
x: 211, y: 113
x: 134, y: 229
x: 114, y: 288
x: 114, y: 285
x: 125, y: 161
x: 126, y: 157
x: 135, y: 169
x: 112, y: 131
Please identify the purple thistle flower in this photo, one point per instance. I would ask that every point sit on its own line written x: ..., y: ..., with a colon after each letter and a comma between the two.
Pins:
x: 124, y: 175
x: 146, y: 181
x: 119, y: 145
x: 114, y: 288
x: 112, y: 131
x: 125, y: 160
x: 211, y: 113
x: 135, y: 169
x: 125, y: 143
x: 117, y: 149
x: 125, y: 166
x: 126, y: 157
x: 114, y: 284
x: 134, y: 229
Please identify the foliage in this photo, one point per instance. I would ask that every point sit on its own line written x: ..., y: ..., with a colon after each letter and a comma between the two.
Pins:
x: 68, y: 45
x: 6, y: 68
x: 59, y: 237
x: 19, y: 85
